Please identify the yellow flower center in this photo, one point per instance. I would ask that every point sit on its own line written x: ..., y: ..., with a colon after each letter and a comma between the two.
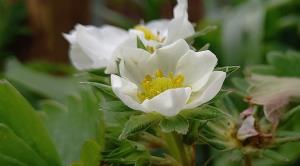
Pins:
x: 152, y: 86
x: 147, y: 33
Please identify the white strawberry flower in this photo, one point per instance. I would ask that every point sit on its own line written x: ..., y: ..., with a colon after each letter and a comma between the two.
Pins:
x: 174, y: 79
x: 163, y: 32
x: 93, y: 47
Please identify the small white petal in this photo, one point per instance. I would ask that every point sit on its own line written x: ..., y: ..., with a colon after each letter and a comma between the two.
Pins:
x: 196, y: 68
x: 168, y: 56
x: 210, y: 90
x: 126, y: 91
x: 168, y: 103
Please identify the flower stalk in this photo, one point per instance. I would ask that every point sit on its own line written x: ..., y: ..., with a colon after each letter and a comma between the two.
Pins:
x: 176, y: 148
x: 248, y: 160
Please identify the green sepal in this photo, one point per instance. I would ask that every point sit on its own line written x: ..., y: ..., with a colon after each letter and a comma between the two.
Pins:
x: 139, y: 123
x: 228, y: 69
x: 176, y: 123
x: 140, y: 44
x: 203, y: 113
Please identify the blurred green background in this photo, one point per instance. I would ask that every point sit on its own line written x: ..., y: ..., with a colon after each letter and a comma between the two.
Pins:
x: 34, y: 55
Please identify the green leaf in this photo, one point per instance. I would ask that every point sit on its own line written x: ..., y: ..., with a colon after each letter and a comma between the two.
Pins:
x: 216, y: 143
x: 50, y: 67
x: 13, y: 146
x: 241, y: 84
x: 46, y: 85
x: 93, y: 76
x: 203, y: 32
x: 6, y: 160
x: 222, y: 93
x: 143, y: 162
x: 177, y: 123
x: 288, y: 115
x: 262, y: 69
x: 228, y: 69
x: 72, y: 124
x: 203, y: 113
x: 125, y: 152
x: 139, y: 123
x: 205, y: 47
x: 283, y: 140
x: 90, y: 153
x: 115, y: 106
x: 102, y: 87
x: 76, y: 164
x: 274, y: 156
x: 140, y: 44
x: 18, y: 115
x: 286, y: 64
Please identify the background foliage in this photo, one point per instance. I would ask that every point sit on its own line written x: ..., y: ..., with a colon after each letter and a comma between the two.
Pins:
x: 47, y: 117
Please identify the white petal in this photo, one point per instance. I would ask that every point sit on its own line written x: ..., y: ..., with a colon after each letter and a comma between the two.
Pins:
x: 118, y: 53
x: 112, y: 67
x: 134, y: 64
x: 168, y: 103
x: 196, y: 68
x: 160, y: 26
x: 111, y: 34
x: 126, y: 91
x: 209, y: 91
x: 98, y: 44
x: 81, y: 60
x: 179, y: 27
x: 247, y: 129
x: 71, y: 37
x: 92, y: 45
x: 168, y: 56
x: 180, y: 9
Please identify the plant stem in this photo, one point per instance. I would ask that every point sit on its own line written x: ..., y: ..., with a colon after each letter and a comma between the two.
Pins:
x: 287, y: 139
x: 153, y: 139
x: 176, y: 148
x: 248, y: 160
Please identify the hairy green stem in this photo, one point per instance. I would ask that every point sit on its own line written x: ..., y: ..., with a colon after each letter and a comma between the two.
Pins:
x: 153, y: 139
x: 176, y: 148
x: 287, y: 139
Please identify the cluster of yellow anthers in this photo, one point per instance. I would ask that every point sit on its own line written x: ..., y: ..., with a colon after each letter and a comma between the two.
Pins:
x: 152, y: 86
x: 149, y: 35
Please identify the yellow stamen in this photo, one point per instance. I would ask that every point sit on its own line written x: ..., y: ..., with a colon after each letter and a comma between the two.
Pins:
x: 153, y: 86
x: 147, y: 32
